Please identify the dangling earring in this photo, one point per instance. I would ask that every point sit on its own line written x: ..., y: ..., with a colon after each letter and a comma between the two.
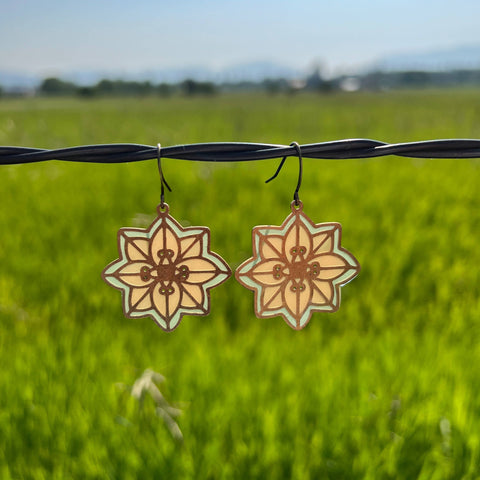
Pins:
x: 298, y: 267
x: 165, y: 271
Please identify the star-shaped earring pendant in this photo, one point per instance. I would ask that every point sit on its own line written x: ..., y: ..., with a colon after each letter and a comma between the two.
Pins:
x: 297, y: 268
x: 165, y: 271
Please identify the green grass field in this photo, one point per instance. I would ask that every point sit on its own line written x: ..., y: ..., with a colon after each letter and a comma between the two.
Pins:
x: 386, y: 388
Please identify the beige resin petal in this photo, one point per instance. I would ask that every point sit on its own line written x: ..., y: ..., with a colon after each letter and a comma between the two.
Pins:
x: 331, y: 273
x: 145, y: 304
x: 297, y: 241
x: 132, y: 276
x: 140, y: 299
x: 201, y: 269
x: 166, y: 305
x: 331, y: 260
x: 137, y: 249
x: 193, y: 296
x: 272, y: 298
x: 322, y: 292
x: 271, y: 246
x: 297, y: 301
x: 322, y: 243
x: 264, y: 272
x: 164, y: 239
x: 190, y: 247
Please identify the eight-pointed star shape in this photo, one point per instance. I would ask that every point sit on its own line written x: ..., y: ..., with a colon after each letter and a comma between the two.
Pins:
x: 297, y: 268
x: 165, y: 271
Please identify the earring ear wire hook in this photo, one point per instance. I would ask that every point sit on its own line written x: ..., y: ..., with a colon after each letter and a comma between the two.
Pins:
x: 163, y: 182
x: 300, y: 171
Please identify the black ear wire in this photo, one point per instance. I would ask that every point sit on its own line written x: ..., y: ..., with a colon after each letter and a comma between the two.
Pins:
x: 163, y: 182
x: 300, y: 171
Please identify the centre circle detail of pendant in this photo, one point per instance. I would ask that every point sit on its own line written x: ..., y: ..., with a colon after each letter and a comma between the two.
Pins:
x: 166, y: 272
x: 299, y: 269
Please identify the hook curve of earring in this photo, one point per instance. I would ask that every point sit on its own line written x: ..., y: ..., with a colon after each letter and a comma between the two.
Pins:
x: 163, y: 182
x: 300, y: 172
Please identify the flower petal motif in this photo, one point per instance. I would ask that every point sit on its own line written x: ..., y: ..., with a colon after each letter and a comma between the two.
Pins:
x: 297, y: 268
x: 165, y: 271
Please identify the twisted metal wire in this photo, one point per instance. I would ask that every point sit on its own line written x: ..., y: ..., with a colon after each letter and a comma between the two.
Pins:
x: 243, y: 152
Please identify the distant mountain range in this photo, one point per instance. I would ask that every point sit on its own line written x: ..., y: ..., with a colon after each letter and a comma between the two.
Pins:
x: 461, y: 57
x: 465, y: 57
x: 18, y: 81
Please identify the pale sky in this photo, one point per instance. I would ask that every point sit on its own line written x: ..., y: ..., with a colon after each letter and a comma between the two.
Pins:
x: 54, y: 36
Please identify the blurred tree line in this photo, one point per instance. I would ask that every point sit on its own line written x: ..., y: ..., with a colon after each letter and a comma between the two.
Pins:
x: 58, y: 87
x: 188, y: 87
x: 314, y: 82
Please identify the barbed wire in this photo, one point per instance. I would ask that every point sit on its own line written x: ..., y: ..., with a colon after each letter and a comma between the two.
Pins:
x: 243, y: 152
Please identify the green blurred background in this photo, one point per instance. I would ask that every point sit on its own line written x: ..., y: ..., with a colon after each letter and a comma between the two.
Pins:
x: 386, y: 388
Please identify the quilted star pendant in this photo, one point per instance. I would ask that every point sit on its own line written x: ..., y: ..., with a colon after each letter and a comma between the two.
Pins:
x: 297, y: 268
x: 165, y: 271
